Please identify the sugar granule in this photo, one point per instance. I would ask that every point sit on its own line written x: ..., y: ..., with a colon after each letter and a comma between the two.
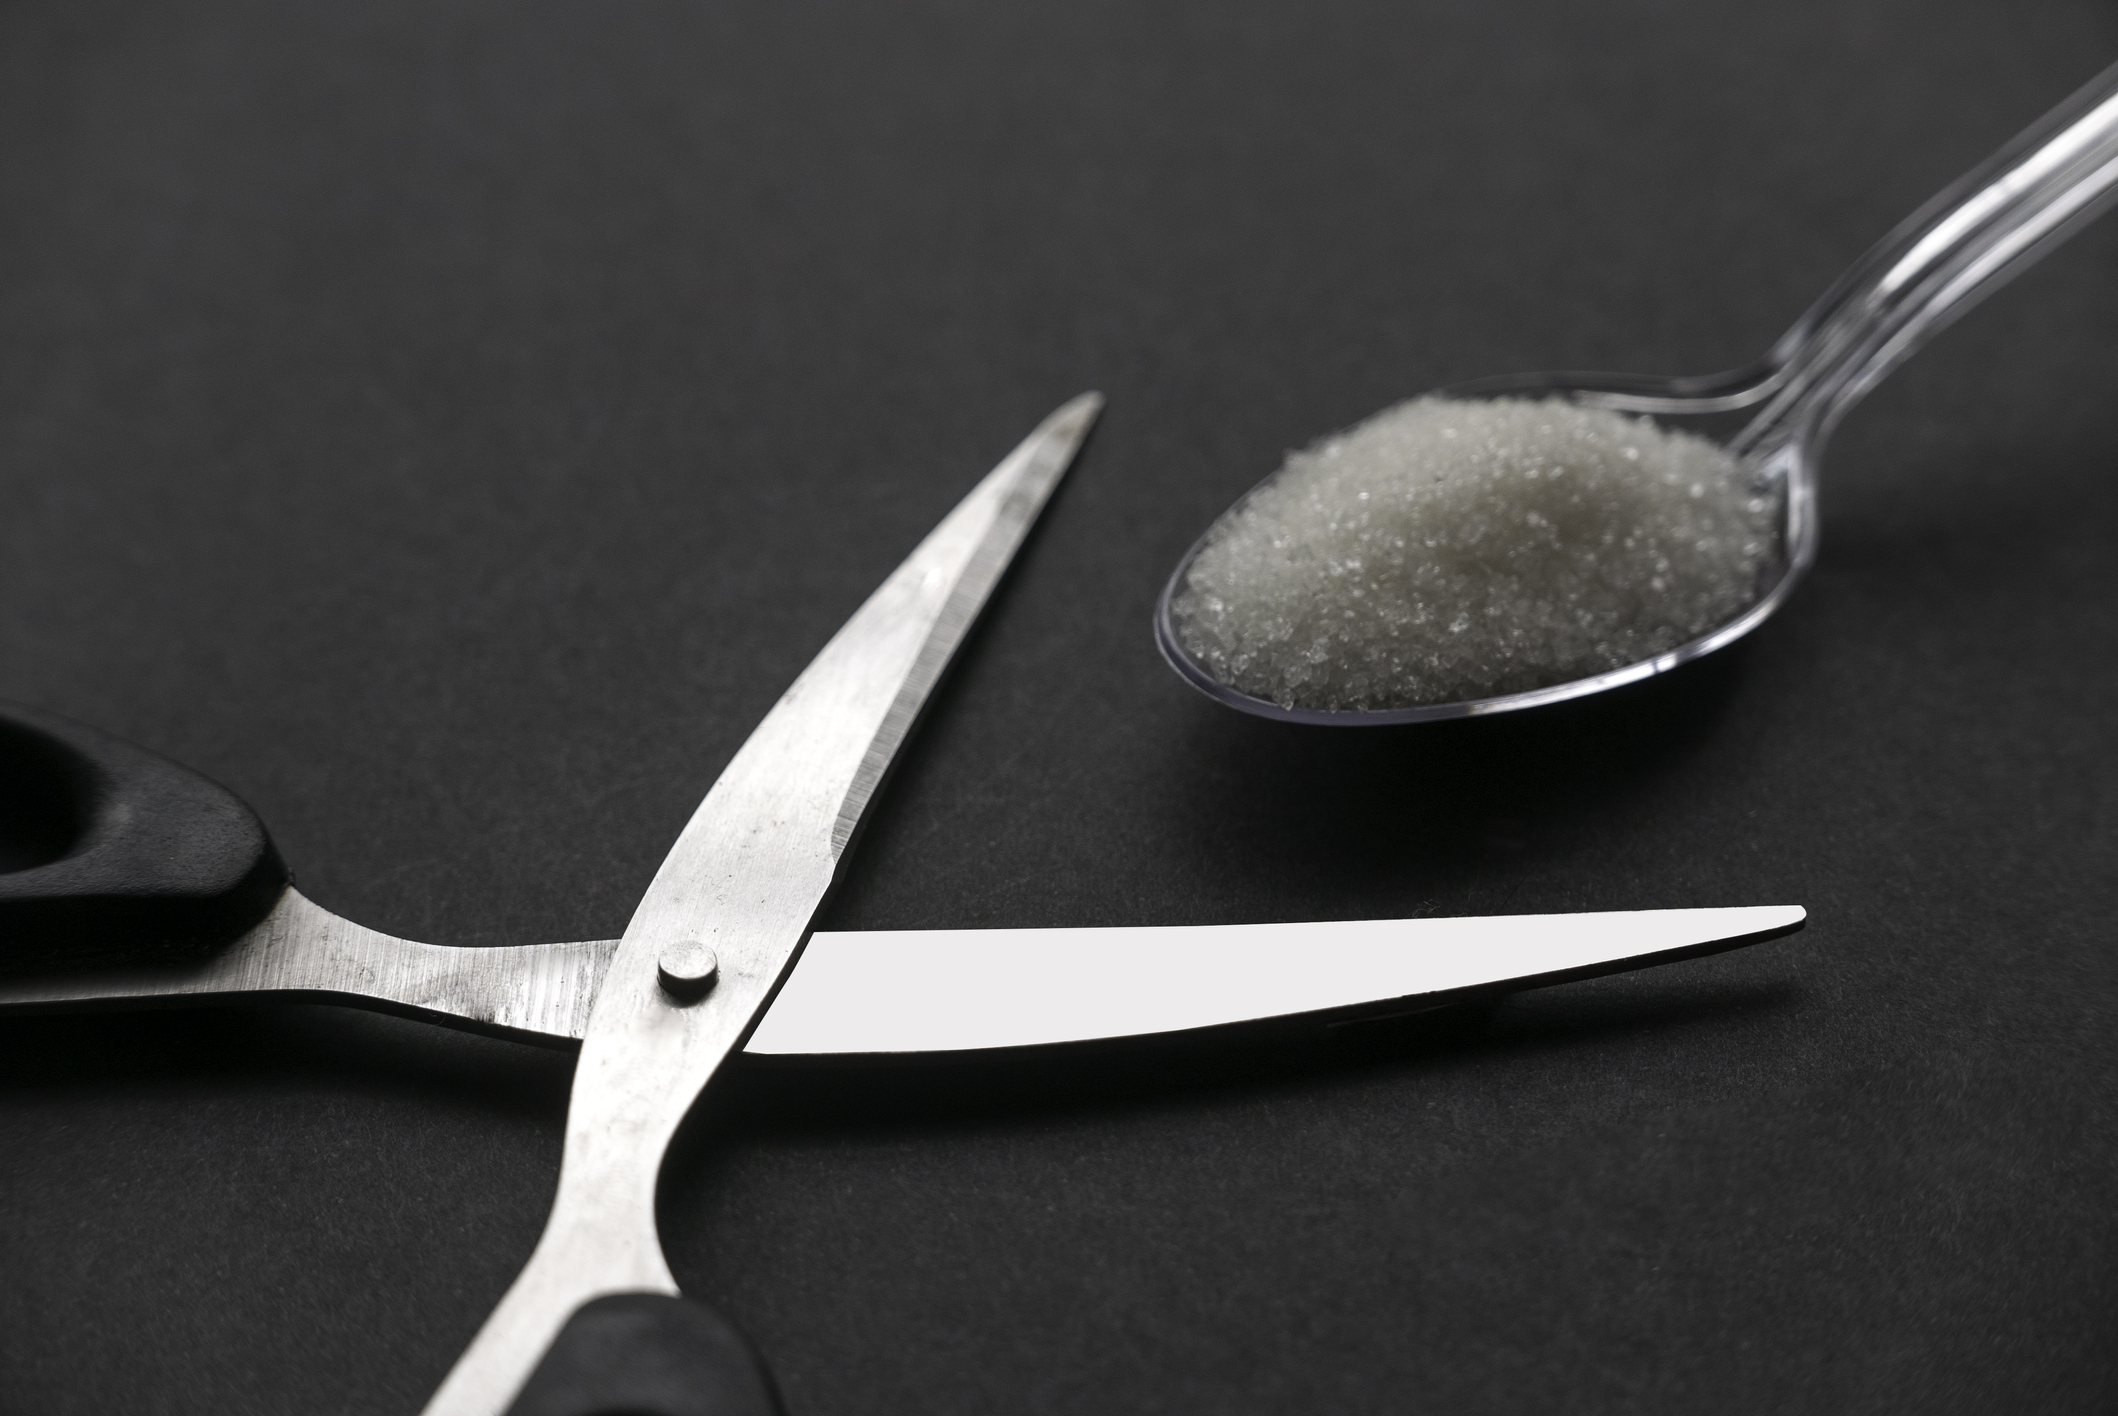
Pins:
x: 1447, y: 550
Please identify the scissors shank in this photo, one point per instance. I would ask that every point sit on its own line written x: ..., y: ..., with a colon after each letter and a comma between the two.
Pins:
x: 301, y: 951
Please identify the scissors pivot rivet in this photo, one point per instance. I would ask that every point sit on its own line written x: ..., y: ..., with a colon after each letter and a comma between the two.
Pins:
x: 687, y: 969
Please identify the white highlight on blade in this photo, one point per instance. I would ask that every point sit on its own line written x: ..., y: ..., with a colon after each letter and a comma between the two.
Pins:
x: 944, y: 990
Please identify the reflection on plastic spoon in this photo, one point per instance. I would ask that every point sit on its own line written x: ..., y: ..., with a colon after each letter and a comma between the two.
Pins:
x: 1430, y: 564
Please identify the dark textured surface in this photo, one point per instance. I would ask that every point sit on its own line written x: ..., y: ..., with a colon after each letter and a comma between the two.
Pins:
x: 450, y: 425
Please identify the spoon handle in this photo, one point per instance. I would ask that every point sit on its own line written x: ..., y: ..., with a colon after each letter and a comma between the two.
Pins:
x: 1986, y: 227
x: 1973, y: 237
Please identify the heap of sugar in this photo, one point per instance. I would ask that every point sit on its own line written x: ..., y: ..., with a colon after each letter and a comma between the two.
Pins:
x: 1448, y: 550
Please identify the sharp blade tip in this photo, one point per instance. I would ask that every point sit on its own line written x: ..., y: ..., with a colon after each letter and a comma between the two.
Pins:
x: 1773, y: 921
x: 1073, y: 418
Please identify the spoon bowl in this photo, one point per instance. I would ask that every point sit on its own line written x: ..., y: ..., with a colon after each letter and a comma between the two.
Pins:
x: 1969, y: 240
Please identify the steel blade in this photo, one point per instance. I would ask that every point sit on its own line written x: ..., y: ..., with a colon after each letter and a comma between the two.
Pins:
x: 943, y: 990
x: 892, y: 993
x: 743, y: 879
x: 895, y: 993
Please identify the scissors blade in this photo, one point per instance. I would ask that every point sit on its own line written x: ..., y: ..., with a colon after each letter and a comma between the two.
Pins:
x: 905, y: 992
x: 744, y: 879
x: 961, y: 990
x: 894, y: 993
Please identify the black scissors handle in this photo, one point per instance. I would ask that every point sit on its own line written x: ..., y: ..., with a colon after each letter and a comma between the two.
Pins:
x: 648, y: 1354
x: 111, y: 855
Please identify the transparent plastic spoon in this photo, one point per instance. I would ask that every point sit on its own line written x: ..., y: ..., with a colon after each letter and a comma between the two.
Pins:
x: 1967, y: 242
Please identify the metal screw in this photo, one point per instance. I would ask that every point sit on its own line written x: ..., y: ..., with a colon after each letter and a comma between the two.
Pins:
x: 687, y: 969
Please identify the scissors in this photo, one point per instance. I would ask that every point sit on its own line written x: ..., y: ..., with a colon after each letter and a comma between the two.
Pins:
x: 159, y: 887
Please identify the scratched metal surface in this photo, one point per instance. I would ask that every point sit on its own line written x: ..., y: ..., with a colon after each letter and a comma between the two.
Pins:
x: 538, y: 993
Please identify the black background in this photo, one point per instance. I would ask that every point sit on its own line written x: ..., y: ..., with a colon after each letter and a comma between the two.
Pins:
x: 451, y: 423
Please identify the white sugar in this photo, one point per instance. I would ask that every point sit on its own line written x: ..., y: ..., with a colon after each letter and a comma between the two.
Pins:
x: 1445, y: 550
